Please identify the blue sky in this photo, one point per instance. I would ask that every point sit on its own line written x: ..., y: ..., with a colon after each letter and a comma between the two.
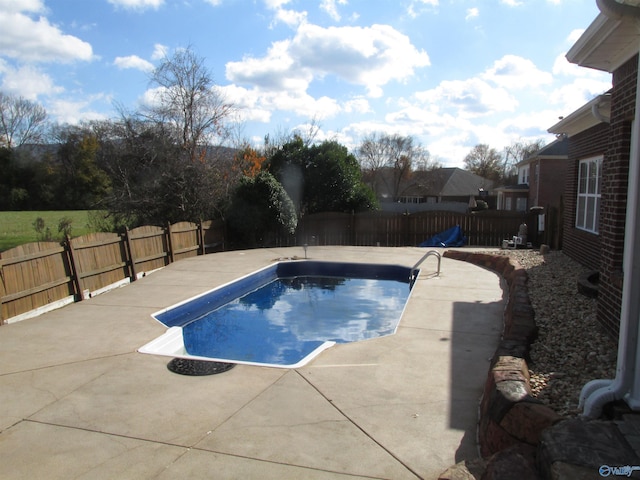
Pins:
x: 450, y: 73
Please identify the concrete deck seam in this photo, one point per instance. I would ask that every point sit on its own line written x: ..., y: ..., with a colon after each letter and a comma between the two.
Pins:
x: 36, y: 369
x: 367, y: 434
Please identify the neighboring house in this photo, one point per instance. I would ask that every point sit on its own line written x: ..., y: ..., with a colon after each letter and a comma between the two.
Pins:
x: 513, y: 198
x: 541, y: 180
x: 441, y: 189
x: 604, y: 218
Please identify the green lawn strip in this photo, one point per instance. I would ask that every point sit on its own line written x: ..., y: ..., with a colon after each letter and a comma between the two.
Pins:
x: 16, y: 228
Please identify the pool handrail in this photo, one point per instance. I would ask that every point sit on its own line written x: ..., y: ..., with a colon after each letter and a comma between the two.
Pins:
x: 430, y: 253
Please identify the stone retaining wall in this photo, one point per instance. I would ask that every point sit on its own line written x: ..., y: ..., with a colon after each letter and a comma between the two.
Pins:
x: 510, y: 418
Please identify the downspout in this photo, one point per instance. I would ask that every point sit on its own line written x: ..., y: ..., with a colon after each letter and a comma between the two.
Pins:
x: 597, y: 393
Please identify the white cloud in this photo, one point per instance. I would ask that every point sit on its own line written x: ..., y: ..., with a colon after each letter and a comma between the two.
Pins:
x: 275, y: 71
x: 574, y: 95
x: 529, y: 125
x: 367, y: 56
x: 275, y: 4
x: 247, y: 101
x: 159, y: 52
x: 330, y: 6
x: 416, y: 7
x: 13, y: 6
x: 357, y: 105
x: 472, y: 13
x: 511, y: 3
x: 27, y: 81
x: 133, y: 61
x: 574, y: 36
x: 516, y: 72
x: 469, y: 98
x: 137, y: 4
x: 73, y: 112
x: 291, y: 18
x: 37, y: 40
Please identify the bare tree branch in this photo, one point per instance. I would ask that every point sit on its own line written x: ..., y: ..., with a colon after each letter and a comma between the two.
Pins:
x: 188, y: 102
x: 21, y: 121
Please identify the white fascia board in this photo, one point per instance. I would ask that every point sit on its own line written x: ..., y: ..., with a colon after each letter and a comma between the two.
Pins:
x: 580, y: 120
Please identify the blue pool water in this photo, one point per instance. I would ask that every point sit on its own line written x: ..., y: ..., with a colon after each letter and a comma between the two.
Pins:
x: 285, y: 314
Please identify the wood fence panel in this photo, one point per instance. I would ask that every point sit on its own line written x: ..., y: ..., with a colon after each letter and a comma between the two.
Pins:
x: 330, y: 228
x: 424, y: 225
x: 149, y: 248
x: 101, y: 260
x: 378, y: 228
x: 213, y: 232
x: 33, y: 275
x: 184, y: 241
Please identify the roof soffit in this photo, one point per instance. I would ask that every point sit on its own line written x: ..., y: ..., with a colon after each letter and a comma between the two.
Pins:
x: 607, y: 43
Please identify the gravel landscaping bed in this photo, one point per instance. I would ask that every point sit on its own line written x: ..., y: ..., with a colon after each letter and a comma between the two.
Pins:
x: 571, y: 347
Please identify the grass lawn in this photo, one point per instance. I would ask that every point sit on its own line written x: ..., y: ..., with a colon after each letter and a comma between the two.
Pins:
x: 17, y: 228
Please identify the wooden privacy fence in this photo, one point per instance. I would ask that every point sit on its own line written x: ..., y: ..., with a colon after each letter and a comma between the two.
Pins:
x: 44, y: 275
x: 389, y: 229
x: 40, y: 276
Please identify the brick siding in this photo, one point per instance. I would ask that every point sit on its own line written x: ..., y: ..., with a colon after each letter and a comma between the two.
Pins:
x: 582, y: 246
x: 548, y: 185
x: 614, y: 195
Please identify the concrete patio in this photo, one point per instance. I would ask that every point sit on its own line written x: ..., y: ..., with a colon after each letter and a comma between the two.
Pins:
x: 78, y: 401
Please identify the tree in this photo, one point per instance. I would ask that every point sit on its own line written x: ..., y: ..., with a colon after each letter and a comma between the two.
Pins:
x: 151, y: 182
x: 484, y: 161
x: 259, y: 207
x: 324, y: 177
x: 80, y: 184
x: 188, y: 103
x: 395, y: 153
x: 21, y: 121
x: 248, y: 162
x: 516, y: 152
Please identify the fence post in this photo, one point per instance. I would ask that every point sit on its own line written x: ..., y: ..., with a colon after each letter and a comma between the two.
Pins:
x: 170, y: 242
x: 352, y: 228
x: 73, y: 270
x: 405, y: 228
x: 201, y: 238
x: 2, y: 289
x: 130, y: 254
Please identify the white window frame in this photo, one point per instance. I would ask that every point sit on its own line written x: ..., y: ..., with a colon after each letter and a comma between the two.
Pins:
x: 589, y: 194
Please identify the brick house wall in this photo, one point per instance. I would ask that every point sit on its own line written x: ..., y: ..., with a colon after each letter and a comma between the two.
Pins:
x: 614, y: 195
x: 582, y: 246
x: 549, y: 183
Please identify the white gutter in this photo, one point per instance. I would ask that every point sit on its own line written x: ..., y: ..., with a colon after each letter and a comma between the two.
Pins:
x: 587, y: 116
x: 615, y: 10
x: 597, y: 393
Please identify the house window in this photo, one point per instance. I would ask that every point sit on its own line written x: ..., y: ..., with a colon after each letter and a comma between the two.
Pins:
x: 521, y: 204
x: 589, y: 184
x: 523, y: 175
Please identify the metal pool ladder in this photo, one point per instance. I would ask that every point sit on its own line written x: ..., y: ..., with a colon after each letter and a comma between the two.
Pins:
x: 413, y: 275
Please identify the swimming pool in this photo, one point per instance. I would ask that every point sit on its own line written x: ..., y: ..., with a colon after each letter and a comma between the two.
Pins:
x: 285, y: 314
